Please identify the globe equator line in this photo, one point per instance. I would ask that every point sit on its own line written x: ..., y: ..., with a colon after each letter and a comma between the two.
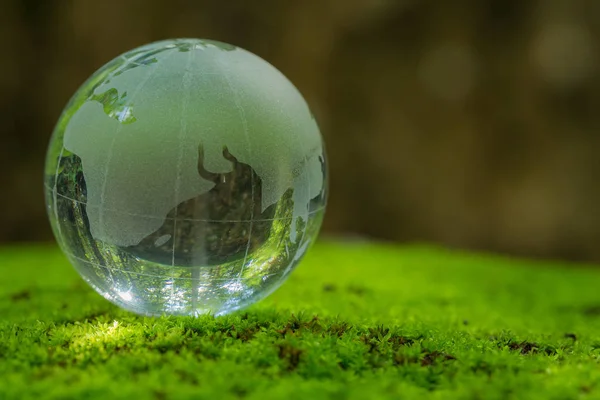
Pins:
x: 185, y: 219
x: 155, y: 276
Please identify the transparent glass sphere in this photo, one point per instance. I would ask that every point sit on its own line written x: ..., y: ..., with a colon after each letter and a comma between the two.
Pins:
x: 184, y: 177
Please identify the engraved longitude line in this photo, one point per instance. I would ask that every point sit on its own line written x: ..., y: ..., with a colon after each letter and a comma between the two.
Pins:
x: 292, y: 262
x: 112, y: 145
x: 128, y: 104
x: 55, y: 189
x: 242, y: 115
x: 308, y: 213
x: 307, y: 172
x: 181, y: 136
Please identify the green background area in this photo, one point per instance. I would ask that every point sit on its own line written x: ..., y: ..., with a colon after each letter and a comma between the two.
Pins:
x: 356, y: 320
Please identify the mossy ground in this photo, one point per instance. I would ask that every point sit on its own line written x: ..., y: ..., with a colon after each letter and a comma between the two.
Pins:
x: 354, y: 321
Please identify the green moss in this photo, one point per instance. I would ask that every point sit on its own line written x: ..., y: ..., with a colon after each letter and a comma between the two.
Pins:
x: 354, y: 321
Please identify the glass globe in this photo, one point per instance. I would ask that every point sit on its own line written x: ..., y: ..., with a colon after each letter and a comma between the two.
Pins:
x: 184, y: 177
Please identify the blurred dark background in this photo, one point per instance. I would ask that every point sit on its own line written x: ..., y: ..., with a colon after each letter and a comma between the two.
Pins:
x: 471, y: 123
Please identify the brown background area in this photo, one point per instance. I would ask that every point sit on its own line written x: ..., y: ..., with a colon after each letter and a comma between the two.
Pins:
x: 472, y: 123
